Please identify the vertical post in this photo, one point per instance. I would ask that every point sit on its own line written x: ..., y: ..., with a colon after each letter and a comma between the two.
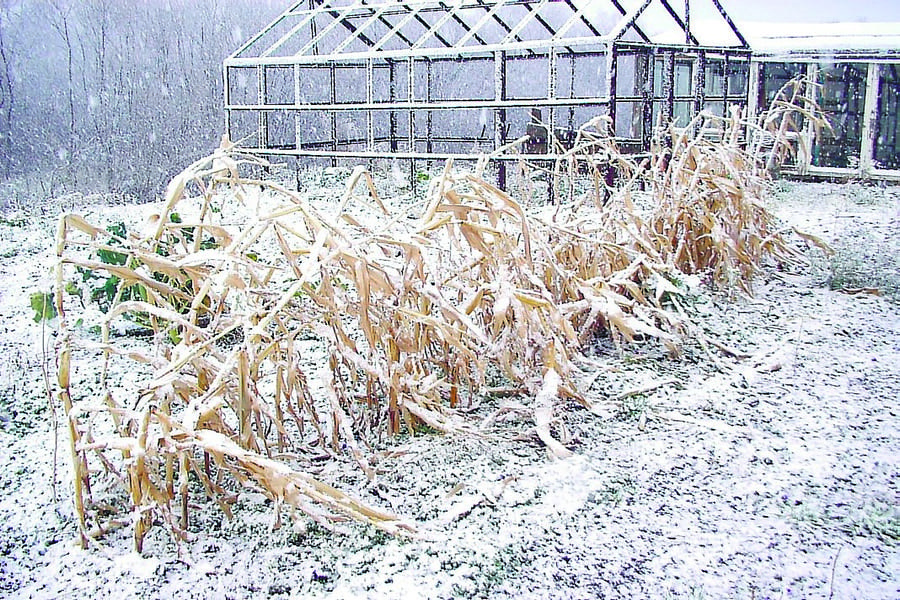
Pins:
x: 753, y: 96
x: 500, y: 113
x: 411, y: 120
x: 411, y: 98
x: 612, y: 70
x: 392, y: 83
x: 668, y: 87
x: 370, y: 101
x: 262, y: 117
x: 298, y: 125
x: 754, y: 91
x: 806, y: 151
x: 552, y: 74
x: 332, y: 68
x: 726, y: 76
x: 226, y: 89
x: 668, y: 96
x: 687, y: 22
x: 571, y: 90
x: 429, y: 83
x: 870, y: 115
x: 648, y: 92
x: 552, y: 142
x: 699, y: 83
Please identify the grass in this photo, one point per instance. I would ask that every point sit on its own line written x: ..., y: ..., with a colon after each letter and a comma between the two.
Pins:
x: 879, y: 520
x: 632, y: 407
x: 507, y: 563
x: 616, y: 491
x: 852, y: 265
x: 694, y: 593
x: 416, y: 308
x: 875, y: 519
x: 853, y: 268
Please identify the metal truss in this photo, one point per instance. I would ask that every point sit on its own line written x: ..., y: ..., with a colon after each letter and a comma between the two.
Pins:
x: 427, y: 79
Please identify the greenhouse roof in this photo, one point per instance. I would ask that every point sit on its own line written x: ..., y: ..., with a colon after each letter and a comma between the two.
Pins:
x: 324, y: 30
x: 823, y: 40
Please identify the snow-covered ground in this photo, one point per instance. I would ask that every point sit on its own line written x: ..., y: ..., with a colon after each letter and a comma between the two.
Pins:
x: 771, y: 476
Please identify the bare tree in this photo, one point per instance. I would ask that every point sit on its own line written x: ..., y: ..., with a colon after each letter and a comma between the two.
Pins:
x: 7, y: 98
x: 121, y: 93
x: 59, y: 15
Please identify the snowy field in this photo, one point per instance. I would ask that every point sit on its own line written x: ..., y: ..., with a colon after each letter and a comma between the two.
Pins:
x: 773, y: 474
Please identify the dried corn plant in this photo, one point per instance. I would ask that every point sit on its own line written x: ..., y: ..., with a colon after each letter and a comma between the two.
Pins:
x: 709, y: 187
x: 237, y: 281
x: 226, y: 311
x: 706, y: 182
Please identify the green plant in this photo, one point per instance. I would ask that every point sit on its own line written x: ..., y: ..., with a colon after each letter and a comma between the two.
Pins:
x: 695, y: 593
x: 12, y: 222
x: 104, y: 286
x: 632, y: 407
x: 616, y: 490
x: 43, y: 306
x: 858, y: 266
x: 207, y: 243
x: 106, y: 289
x: 112, y: 257
x: 879, y: 520
x: 813, y: 517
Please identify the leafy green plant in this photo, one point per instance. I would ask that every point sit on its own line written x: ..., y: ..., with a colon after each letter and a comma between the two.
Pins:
x: 207, y: 243
x: 12, y: 222
x: 632, y: 407
x: 614, y: 492
x: 112, y: 257
x: 43, y: 306
x: 105, y: 289
x: 102, y: 288
x: 877, y: 520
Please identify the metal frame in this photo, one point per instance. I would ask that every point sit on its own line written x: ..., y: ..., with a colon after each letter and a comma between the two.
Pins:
x: 366, y: 79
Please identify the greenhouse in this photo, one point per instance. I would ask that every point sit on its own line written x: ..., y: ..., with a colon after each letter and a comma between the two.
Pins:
x: 856, y: 66
x: 425, y: 79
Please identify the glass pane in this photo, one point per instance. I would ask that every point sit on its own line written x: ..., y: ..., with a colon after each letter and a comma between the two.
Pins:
x: 683, y: 79
x: 715, y: 79
x: 887, y: 132
x: 629, y: 123
x: 774, y: 76
x: 738, y: 75
x: 658, y: 78
x: 842, y: 98
x: 682, y: 113
x: 716, y: 108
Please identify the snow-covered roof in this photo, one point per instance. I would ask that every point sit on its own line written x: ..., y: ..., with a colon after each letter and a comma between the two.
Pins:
x: 322, y: 30
x: 814, y: 40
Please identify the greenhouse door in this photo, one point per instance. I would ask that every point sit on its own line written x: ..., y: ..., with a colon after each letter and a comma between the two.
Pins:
x: 842, y: 98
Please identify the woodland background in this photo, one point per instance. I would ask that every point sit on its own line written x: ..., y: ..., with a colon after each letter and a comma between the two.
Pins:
x: 113, y: 96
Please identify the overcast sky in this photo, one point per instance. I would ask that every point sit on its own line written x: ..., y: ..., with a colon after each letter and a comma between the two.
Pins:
x: 814, y: 11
